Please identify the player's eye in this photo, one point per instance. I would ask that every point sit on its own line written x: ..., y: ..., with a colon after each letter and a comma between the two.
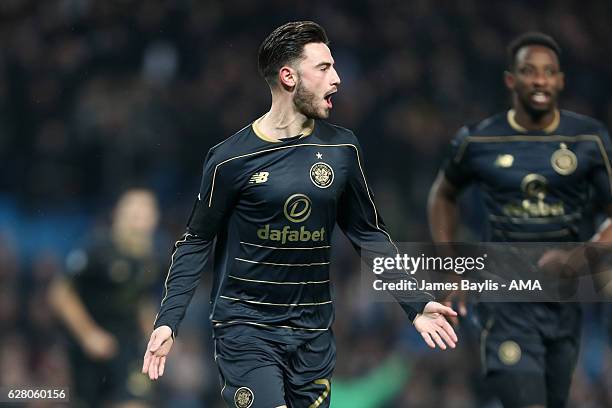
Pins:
x: 550, y: 72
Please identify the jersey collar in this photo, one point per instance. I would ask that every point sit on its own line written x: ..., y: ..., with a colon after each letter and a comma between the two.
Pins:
x: 268, y: 139
x: 511, y: 116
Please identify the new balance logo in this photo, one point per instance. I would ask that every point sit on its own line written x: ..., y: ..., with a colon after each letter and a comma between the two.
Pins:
x: 258, y: 178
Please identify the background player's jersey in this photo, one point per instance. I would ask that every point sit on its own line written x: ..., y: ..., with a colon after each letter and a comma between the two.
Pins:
x: 537, y: 185
x: 273, y: 207
x: 111, y: 283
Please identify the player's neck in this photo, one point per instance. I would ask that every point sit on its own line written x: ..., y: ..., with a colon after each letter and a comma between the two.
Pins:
x: 283, y: 120
x: 534, y: 122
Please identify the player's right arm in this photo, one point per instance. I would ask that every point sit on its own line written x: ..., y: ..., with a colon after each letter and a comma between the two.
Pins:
x: 65, y: 301
x: 442, y: 209
x: 215, y: 199
x: 454, y: 175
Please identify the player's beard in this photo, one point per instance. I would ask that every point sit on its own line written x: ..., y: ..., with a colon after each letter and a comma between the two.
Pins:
x: 536, y: 112
x: 305, y: 103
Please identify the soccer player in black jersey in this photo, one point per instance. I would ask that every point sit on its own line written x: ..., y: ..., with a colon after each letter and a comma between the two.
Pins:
x: 271, y: 195
x: 536, y: 167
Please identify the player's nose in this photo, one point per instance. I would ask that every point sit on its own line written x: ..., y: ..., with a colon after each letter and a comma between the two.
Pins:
x: 540, y: 79
x: 335, y: 80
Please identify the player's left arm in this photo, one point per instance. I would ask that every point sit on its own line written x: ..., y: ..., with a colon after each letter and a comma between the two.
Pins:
x: 604, y: 233
x: 358, y: 217
x: 218, y: 192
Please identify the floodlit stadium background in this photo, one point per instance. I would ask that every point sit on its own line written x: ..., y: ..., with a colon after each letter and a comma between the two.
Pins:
x: 97, y: 96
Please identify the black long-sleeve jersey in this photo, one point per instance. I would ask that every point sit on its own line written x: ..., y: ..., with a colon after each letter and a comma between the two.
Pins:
x: 111, y: 283
x: 272, y: 207
x: 537, y: 185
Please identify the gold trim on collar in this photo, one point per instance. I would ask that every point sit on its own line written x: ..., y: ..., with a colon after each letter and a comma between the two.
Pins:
x: 308, y: 130
x: 513, y: 123
x: 260, y: 134
x: 267, y: 138
x: 554, y: 124
x: 511, y: 117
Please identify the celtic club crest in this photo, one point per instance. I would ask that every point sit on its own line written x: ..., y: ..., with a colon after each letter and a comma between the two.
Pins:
x: 321, y: 175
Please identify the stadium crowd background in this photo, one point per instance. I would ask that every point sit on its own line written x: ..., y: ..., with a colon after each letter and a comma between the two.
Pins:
x: 97, y: 96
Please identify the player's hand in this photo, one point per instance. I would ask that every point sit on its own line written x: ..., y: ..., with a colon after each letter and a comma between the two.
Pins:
x: 458, y: 298
x: 433, y: 325
x: 158, y: 348
x: 554, y: 258
x: 558, y: 262
x: 99, y: 344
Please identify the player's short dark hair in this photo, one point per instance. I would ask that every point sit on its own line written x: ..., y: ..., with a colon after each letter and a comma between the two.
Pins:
x: 531, y: 38
x: 285, y: 45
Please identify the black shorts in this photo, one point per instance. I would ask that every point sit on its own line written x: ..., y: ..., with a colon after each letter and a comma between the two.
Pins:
x: 257, y: 372
x: 529, y: 351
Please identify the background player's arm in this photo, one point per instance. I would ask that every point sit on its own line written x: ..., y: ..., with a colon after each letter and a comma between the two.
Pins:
x: 442, y: 212
x: 95, y: 341
x: 191, y: 253
x: 361, y: 223
x: 442, y: 209
x: 452, y: 178
x: 604, y: 233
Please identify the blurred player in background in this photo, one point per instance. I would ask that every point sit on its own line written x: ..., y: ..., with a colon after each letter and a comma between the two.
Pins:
x: 536, y: 167
x: 271, y: 195
x: 104, y: 303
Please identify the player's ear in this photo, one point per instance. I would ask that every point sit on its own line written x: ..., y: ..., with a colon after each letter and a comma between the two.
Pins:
x: 287, y: 76
x: 509, y: 80
x: 561, y: 80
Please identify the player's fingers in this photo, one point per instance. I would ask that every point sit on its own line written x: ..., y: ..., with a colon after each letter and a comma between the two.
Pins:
x: 438, y: 340
x: 452, y: 319
x: 547, y: 257
x: 428, y: 340
x: 447, y: 339
x: 157, y: 361
x: 145, y: 362
x: 445, y: 310
x: 449, y: 329
x: 153, y: 368
x: 150, y: 368
x: 162, y: 366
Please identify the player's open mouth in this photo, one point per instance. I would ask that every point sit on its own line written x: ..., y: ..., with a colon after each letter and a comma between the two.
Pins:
x: 328, y: 99
x: 540, y: 97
